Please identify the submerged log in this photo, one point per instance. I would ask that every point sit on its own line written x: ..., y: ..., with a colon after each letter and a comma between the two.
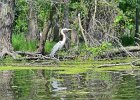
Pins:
x: 111, y: 65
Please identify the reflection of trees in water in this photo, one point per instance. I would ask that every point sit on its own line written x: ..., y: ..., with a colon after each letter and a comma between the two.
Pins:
x: 21, y: 83
x: 85, y: 85
x: 137, y: 85
x: 5, y: 89
x: 31, y: 85
x: 99, y: 85
x: 129, y: 86
x: 95, y: 85
x: 70, y: 86
x: 48, y: 85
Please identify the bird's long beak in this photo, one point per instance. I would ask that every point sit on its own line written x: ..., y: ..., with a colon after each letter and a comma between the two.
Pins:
x: 69, y: 29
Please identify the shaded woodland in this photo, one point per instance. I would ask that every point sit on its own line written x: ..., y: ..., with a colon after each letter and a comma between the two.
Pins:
x: 32, y: 27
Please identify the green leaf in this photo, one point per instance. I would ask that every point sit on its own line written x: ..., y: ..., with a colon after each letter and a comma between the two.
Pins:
x: 118, y: 19
x: 130, y: 26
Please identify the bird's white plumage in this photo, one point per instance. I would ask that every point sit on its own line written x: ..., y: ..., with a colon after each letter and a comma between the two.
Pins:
x: 60, y: 44
x: 57, y: 46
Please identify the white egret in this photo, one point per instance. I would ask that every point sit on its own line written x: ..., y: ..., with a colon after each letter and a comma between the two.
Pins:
x: 60, y: 44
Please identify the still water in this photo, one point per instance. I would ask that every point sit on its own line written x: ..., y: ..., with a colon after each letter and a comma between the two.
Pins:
x: 45, y: 84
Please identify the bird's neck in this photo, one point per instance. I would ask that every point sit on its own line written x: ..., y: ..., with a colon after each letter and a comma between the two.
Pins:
x: 64, y: 37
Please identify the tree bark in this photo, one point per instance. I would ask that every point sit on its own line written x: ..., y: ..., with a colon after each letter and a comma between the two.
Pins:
x: 43, y: 38
x: 56, y: 35
x: 66, y: 22
x: 32, y: 23
x: 6, y: 21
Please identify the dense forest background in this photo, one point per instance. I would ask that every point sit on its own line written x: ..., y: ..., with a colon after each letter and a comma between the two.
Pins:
x: 97, y: 25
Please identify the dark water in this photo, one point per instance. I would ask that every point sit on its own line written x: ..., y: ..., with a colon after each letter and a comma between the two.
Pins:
x: 51, y: 85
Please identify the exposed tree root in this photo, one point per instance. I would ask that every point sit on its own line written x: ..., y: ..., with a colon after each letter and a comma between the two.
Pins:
x: 4, y: 53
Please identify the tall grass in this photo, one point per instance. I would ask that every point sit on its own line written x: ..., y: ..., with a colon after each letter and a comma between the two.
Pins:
x: 48, y: 46
x: 20, y: 43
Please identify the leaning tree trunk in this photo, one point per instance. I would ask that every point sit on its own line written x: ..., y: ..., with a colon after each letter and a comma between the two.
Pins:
x: 6, y: 20
x: 46, y: 28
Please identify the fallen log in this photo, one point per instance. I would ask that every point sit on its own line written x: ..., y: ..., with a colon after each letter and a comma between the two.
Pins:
x: 131, y: 51
x: 22, y: 53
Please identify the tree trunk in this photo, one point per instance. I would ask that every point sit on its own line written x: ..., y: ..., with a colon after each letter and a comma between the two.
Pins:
x: 56, y: 36
x: 32, y: 23
x: 43, y: 38
x: 74, y: 38
x: 47, y: 26
x: 66, y: 22
x: 137, y: 24
x: 6, y: 21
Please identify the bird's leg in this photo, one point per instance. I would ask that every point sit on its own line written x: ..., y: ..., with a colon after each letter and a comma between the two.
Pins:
x: 58, y: 56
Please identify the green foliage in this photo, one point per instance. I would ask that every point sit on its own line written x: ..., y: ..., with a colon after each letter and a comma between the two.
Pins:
x: 21, y: 15
x: 124, y: 20
x: 128, y: 7
x: 21, y: 18
x: 43, y: 9
x: 80, y: 6
x: 7, y: 60
x: 118, y: 19
x: 19, y: 42
x: 48, y: 46
x: 127, y: 40
x: 94, y: 51
x: 98, y: 50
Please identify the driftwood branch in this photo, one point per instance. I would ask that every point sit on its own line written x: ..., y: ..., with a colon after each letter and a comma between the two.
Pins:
x: 39, y: 56
x: 82, y: 30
